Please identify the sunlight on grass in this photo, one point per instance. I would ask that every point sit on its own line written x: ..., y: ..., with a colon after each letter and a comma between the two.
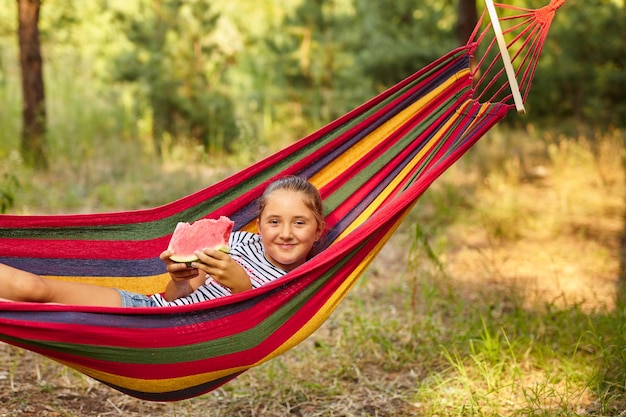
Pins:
x: 498, y: 296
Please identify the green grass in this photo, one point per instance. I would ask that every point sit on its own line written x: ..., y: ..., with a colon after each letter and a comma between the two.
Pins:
x: 497, y: 297
x: 377, y: 356
x: 454, y: 326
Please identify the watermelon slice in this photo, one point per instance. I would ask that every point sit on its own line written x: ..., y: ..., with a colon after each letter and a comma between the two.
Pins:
x: 205, y: 233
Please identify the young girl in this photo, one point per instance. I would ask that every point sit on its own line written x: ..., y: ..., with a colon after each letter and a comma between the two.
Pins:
x: 290, y: 222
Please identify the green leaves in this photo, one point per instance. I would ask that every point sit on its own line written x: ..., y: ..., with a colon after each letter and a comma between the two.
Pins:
x: 8, y: 187
x: 175, y: 55
x: 582, y: 73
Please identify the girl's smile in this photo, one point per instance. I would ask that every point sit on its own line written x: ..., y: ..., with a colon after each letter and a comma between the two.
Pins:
x: 288, y: 228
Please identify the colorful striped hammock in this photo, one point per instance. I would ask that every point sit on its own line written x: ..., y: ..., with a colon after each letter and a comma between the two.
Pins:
x: 371, y: 166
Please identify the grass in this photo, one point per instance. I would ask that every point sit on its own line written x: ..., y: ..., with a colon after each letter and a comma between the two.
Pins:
x: 507, y: 302
x: 498, y: 296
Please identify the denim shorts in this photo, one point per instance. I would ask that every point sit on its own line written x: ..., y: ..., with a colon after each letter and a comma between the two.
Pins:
x: 131, y: 299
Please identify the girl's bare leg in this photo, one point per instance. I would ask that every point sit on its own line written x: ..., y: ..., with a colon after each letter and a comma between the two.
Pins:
x: 18, y: 285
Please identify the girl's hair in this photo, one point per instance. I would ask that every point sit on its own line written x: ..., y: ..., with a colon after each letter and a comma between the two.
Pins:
x: 311, y: 196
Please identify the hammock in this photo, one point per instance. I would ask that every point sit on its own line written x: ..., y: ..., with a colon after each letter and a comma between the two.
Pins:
x: 371, y: 166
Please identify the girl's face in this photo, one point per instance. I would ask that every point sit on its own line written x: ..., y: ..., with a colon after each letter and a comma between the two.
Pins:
x: 288, y: 229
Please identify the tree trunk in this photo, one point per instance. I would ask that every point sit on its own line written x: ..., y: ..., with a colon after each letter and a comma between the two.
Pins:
x: 33, y: 144
x: 467, y: 20
x: 468, y: 17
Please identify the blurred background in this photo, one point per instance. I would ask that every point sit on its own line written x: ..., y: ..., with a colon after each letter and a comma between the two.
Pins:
x: 131, y: 87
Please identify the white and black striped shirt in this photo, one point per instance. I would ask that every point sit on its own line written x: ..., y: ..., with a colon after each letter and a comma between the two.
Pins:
x: 247, y: 250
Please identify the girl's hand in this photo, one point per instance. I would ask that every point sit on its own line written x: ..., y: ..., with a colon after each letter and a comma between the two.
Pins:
x: 184, y: 279
x: 223, y: 269
x: 180, y: 272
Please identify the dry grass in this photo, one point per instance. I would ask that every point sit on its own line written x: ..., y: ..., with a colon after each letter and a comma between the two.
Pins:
x: 507, y: 304
x: 553, y: 236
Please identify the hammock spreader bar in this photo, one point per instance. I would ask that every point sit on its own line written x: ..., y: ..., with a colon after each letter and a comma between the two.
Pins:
x: 506, y: 59
x: 371, y: 166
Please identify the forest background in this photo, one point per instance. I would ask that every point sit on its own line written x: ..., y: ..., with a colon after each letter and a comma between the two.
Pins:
x: 244, y: 78
x: 150, y: 100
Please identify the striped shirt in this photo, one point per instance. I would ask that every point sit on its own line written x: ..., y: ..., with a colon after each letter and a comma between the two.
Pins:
x: 247, y: 250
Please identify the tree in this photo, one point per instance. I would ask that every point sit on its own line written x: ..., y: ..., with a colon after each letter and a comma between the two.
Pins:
x: 176, y: 59
x: 399, y: 37
x: 468, y: 17
x: 582, y: 67
x: 310, y: 62
x: 33, y: 143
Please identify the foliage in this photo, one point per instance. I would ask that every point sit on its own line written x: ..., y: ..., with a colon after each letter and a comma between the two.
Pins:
x: 582, y: 73
x: 176, y: 59
x: 397, y: 38
x: 8, y: 187
x: 313, y: 65
x: 243, y: 72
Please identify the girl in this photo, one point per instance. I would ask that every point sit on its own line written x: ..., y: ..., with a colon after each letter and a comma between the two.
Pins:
x: 290, y: 222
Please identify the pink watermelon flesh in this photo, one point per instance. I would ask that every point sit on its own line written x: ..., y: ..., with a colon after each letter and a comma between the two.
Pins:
x: 205, y: 233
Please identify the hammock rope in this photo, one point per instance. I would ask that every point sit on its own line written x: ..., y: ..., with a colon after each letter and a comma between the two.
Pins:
x: 371, y: 167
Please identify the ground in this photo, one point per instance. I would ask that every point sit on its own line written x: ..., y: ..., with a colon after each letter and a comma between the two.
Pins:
x: 562, y: 255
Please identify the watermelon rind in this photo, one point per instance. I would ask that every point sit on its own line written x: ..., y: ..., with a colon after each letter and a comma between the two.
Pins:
x: 184, y: 259
x: 189, y: 259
